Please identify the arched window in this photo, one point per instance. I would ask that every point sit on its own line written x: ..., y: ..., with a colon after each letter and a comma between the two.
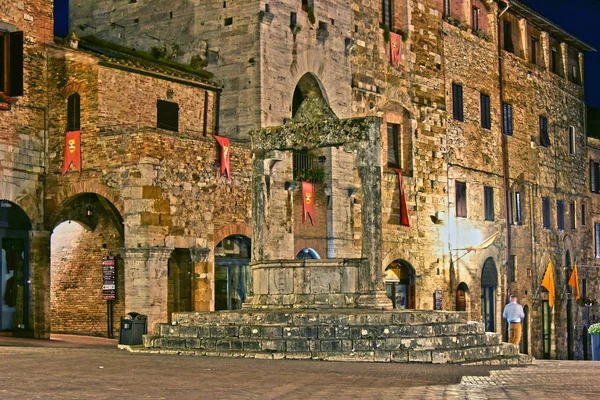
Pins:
x: 73, y: 113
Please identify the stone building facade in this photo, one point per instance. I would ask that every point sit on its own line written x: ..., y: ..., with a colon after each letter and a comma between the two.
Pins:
x: 149, y: 190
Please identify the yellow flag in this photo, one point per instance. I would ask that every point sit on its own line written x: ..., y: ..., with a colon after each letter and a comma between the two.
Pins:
x: 548, y: 283
x: 574, y: 282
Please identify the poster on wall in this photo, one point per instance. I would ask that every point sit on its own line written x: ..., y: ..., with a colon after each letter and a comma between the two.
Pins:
x: 109, y: 283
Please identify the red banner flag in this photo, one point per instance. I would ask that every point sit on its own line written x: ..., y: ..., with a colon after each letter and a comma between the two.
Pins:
x: 395, y: 41
x: 308, y: 201
x: 225, y: 154
x: 403, y: 207
x: 72, y: 151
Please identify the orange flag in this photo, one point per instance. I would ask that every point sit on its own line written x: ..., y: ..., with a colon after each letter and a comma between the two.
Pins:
x: 72, y: 151
x: 548, y: 283
x: 225, y: 154
x: 574, y: 282
x: 308, y: 201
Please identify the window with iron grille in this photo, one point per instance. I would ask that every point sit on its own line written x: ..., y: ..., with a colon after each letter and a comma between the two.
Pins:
x: 73, y: 112
x: 572, y: 214
x: 488, y: 203
x: 544, y: 138
x: 507, y: 119
x: 11, y: 63
x: 546, y: 212
x: 167, y: 115
x: 461, y: 199
x: 457, y: 102
x: 393, y: 145
x: 302, y: 161
x: 560, y: 215
x: 486, y: 121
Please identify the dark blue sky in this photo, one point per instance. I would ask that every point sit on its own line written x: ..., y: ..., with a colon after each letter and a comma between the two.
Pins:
x: 580, y: 18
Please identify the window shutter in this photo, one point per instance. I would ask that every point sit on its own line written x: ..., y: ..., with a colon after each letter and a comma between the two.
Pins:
x: 518, y: 208
x: 73, y: 113
x: 15, y: 71
x: 457, y: 102
x: 593, y: 177
x: 393, y: 154
x: 560, y: 215
x: 488, y: 200
x: 485, y: 111
x: 572, y: 214
x: 507, y: 113
x: 544, y: 138
x: 597, y: 237
x: 461, y: 199
x: 546, y: 212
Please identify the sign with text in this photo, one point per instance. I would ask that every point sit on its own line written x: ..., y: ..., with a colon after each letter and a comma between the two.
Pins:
x: 109, y: 283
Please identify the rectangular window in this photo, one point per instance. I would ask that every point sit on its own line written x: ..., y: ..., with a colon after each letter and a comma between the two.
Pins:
x: 508, y: 42
x: 461, y: 199
x: 583, y: 221
x: 488, y: 203
x: 594, y: 176
x: 512, y: 268
x: 475, y: 18
x: 486, y: 121
x: 167, y: 115
x: 11, y: 63
x: 546, y: 212
x: 457, y: 102
x: 518, y: 209
x: 597, y: 239
x: 386, y: 12
x: 544, y: 138
x: 507, y: 119
x: 393, y: 134
x: 554, y: 61
x: 534, y: 50
x: 560, y: 215
x: 572, y: 214
x: 572, y: 140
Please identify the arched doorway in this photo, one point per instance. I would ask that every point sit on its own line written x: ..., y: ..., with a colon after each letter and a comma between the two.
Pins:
x: 489, y: 283
x: 400, y: 284
x: 461, y: 297
x: 14, y: 267
x: 570, y: 332
x: 87, y: 231
x: 233, y: 278
x: 308, y: 254
x: 179, y: 282
x: 525, y: 340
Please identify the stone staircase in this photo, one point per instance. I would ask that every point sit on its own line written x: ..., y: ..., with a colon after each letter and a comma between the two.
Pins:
x: 335, y: 335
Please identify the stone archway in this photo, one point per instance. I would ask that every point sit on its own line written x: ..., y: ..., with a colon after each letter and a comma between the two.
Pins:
x: 489, y: 285
x: 461, y: 297
x: 87, y: 228
x: 15, y: 226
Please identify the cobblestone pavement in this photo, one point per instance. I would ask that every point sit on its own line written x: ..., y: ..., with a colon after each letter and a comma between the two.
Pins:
x: 93, y: 369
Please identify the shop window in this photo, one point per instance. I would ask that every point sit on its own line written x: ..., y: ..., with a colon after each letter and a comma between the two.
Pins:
x: 507, y: 119
x: 167, y: 115
x: 73, y: 112
x: 486, y: 121
x: 457, y: 102
x: 544, y: 138
x: 488, y: 203
x: 461, y: 199
x: 11, y: 63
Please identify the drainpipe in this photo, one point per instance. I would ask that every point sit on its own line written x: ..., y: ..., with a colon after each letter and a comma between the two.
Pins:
x: 504, y: 155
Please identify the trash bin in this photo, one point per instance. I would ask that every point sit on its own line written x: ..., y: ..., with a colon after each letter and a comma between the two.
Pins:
x: 133, y: 328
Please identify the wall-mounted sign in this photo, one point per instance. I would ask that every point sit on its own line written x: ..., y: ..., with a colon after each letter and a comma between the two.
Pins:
x: 109, y: 283
x: 438, y: 300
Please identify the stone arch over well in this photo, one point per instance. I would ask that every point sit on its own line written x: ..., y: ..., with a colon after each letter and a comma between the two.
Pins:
x: 232, y: 229
x: 400, y: 282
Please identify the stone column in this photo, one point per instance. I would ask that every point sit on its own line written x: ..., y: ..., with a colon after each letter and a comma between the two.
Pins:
x: 146, y: 282
x: 371, y: 283
x: 204, y: 278
x: 39, y: 287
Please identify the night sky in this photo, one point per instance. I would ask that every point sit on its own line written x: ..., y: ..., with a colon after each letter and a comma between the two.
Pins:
x: 581, y: 18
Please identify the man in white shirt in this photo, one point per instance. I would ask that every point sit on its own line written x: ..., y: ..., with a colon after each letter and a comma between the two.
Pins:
x: 514, y: 314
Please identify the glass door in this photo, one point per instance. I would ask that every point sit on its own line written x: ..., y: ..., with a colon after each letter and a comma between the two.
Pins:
x: 488, y: 309
x: 14, y: 277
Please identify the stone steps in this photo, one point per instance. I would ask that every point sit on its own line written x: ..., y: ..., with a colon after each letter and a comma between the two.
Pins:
x: 343, y: 335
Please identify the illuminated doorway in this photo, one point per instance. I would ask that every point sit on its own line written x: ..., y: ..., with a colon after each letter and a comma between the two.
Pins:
x: 461, y: 297
x: 400, y: 284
